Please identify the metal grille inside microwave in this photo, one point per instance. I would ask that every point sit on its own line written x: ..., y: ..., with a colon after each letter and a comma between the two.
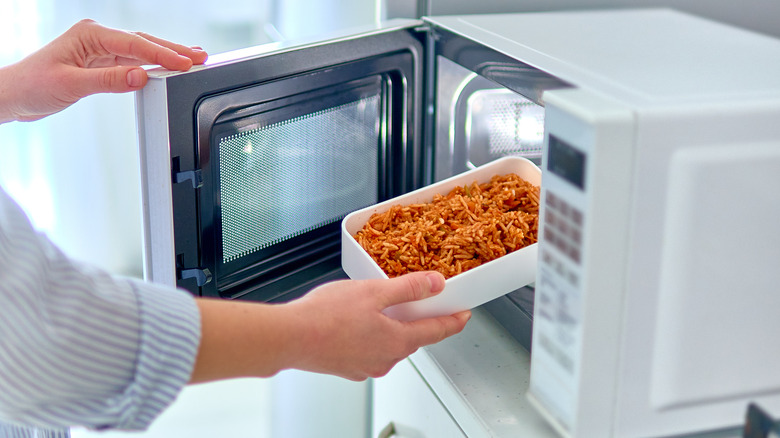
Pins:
x: 500, y: 122
x: 480, y: 121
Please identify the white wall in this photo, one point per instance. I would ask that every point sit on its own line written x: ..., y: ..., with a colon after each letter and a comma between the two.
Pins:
x: 297, y: 19
x: 759, y: 15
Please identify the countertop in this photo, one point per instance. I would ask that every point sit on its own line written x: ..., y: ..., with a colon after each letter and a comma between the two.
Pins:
x: 481, y: 376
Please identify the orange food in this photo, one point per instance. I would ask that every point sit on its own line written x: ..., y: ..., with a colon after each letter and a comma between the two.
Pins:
x: 471, y: 225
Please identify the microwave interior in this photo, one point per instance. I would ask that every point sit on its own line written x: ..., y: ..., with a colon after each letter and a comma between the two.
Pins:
x: 269, y: 153
x: 477, y: 121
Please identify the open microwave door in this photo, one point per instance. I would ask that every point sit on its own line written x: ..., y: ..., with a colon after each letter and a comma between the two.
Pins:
x: 249, y: 162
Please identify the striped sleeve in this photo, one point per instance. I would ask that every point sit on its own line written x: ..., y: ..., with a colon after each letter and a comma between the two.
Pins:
x: 8, y: 431
x: 81, y: 347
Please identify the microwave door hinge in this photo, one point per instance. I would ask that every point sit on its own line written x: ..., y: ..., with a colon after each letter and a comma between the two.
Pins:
x: 194, y: 176
x: 428, y: 29
x: 201, y: 276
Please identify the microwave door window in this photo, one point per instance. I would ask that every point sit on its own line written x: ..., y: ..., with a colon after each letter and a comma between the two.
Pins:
x: 291, y: 177
x: 285, y: 171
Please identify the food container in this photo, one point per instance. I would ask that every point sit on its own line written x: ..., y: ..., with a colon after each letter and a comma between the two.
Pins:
x: 463, y: 291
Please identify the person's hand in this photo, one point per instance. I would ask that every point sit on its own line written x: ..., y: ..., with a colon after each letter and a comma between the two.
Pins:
x: 87, y: 59
x: 337, y: 328
x: 348, y: 335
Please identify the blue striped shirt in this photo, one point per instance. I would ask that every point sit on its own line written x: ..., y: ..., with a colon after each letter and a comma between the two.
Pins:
x: 81, y: 347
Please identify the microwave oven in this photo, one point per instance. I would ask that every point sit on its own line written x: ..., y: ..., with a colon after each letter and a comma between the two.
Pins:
x: 658, y: 136
x: 248, y: 163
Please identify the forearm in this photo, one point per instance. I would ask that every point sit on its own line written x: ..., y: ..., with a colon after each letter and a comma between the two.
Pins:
x: 243, y: 339
x: 337, y: 328
x: 121, y: 347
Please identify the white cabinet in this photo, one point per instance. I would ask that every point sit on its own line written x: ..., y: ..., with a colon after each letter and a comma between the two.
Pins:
x: 471, y: 385
x: 405, y: 407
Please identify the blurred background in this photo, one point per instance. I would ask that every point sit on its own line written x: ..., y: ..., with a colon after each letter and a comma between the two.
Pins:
x: 76, y: 172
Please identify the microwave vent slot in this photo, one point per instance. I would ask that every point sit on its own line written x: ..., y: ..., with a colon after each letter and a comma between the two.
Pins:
x: 502, y: 123
x: 479, y: 120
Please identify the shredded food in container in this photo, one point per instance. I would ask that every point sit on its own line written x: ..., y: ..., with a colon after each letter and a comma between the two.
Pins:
x: 471, y: 225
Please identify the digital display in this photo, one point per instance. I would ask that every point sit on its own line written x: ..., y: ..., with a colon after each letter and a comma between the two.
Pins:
x: 566, y: 162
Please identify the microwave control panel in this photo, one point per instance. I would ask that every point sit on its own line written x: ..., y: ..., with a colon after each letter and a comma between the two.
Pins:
x: 557, y: 303
x: 582, y: 257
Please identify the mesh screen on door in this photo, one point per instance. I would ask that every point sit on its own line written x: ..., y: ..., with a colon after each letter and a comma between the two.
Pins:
x: 282, y: 180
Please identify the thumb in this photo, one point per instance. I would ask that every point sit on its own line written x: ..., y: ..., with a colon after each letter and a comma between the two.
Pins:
x: 411, y: 287
x: 119, y: 79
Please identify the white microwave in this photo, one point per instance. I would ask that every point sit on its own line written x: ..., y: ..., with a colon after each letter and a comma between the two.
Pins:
x: 659, y: 259
x: 658, y: 135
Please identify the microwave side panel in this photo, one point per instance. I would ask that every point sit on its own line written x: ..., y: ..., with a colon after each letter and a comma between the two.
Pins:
x: 170, y: 142
x: 704, y: 297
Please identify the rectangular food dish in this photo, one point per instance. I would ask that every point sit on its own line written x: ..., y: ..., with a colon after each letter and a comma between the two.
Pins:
x: 468, y: 289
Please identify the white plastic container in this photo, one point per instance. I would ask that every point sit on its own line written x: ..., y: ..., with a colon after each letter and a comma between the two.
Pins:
x: 463, y: 291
